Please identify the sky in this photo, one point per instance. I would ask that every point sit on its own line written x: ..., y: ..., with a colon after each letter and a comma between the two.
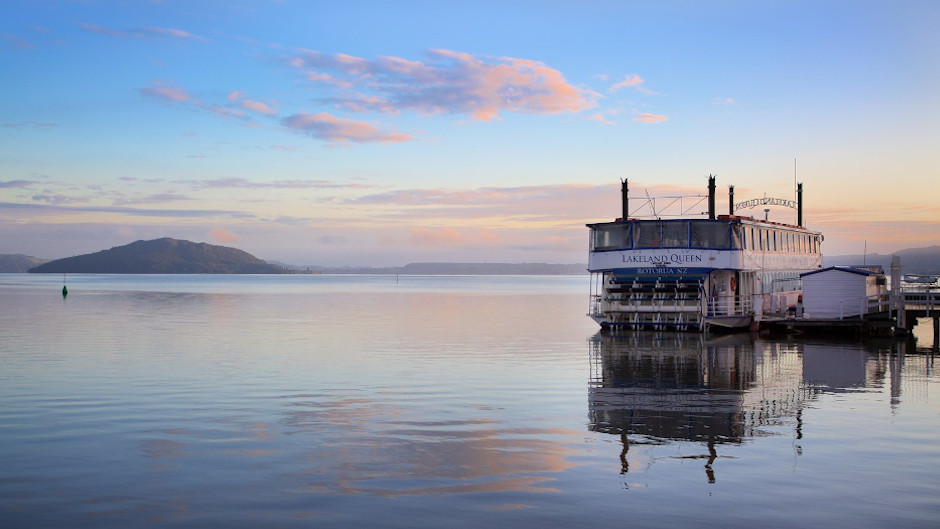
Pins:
x: 379, y: 133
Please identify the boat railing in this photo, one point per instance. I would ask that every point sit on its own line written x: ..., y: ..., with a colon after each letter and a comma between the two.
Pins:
x: 729, y: 305
x: 594, y: 308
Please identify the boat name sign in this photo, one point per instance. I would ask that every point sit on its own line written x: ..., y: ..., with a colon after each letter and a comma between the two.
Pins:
x: 607, y: 260
x: 662, y: 259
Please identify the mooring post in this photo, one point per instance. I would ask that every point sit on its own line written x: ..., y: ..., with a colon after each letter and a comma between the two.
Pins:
x: 936, y: 333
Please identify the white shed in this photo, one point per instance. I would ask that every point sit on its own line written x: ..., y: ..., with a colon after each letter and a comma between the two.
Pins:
x: 840, y: 291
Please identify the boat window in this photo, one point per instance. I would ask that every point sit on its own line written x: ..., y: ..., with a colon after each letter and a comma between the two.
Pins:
x: 647, y: 235
x: 676, y: 234
x: 709, y: 234
x: 611, y: 237
x: 737, y: 235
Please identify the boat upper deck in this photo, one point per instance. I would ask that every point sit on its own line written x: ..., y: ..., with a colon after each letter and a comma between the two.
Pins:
x: 727, y: 232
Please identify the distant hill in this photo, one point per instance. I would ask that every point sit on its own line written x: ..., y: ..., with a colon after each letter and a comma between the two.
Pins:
x: 18, y: 263
x: 493, y: 269
x: 913, y: 260
x: 162, y: 256
x: 453, y: 269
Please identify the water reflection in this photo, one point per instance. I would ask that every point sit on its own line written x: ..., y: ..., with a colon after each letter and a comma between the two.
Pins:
x: 654, y: 389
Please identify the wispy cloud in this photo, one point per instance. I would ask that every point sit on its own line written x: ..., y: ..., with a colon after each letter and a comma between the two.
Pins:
x: 722, y: 101
x: 29, y: 125
x: 242, y: 183
x: 51, y: 197
x: 551, y: 204
x: 647, y: 117
x: 330, y: 128
x: 448, y: 82
x: 157, y: 198
x: 51, y: 208
x: 632, y: 81
x: 254, y: 106
x: 257, y: 106
x: 8, y: 184
x: 142, y: 33
x: 601, y: 118
x: 166, y: 92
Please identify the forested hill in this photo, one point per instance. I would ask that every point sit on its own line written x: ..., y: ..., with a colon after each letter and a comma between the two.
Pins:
x: 162, y: 256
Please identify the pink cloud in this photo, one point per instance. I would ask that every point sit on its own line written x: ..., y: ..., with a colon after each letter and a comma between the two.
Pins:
x: 448, y: 83
x: 629, y: 81
x: 650, y: 118
x: 223, y: 235
x: 169, y: 93
x: 330, y: 128
x: 601, y: 118
x: 256, y: 106
x: 227, y: 112
x: 632, y: 81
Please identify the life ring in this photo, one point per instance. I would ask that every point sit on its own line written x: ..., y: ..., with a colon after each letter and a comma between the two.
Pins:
x: 734, y: 283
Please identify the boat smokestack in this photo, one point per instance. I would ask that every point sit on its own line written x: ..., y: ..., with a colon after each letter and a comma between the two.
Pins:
x: 731, y: 200
x: 799, y: 204
x: 624, y: 195
x: 711, y: 197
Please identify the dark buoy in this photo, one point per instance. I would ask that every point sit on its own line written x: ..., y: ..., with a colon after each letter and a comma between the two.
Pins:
x: 65, y: 291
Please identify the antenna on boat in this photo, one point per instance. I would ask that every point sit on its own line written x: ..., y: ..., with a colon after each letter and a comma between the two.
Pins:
x: 652, y: 203
x: 798, y: 197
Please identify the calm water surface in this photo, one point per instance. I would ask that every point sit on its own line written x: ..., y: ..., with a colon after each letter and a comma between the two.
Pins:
x: 351, y: 401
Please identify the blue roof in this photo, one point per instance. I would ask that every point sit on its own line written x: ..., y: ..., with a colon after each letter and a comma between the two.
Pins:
x: 849, y: 269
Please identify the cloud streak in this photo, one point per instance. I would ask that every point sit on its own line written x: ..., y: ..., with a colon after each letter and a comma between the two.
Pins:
x: 242, y: 183
x: 142, y: 33
x: 9, y: 184
x: 330, y: 128
x: 167, y: 93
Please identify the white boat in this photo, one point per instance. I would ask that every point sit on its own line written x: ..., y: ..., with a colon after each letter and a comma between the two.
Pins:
x: 698, y: 272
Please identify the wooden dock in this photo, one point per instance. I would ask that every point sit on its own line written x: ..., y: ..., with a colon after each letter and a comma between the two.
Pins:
x: 895, y: 314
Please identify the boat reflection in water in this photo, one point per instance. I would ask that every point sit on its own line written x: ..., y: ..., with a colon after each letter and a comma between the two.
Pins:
x: 661, y: 388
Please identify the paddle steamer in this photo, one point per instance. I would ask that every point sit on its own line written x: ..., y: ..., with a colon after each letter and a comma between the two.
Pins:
x: 698, y: 272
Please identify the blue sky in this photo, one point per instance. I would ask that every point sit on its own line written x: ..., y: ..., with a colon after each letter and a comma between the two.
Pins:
x: 381, y: 133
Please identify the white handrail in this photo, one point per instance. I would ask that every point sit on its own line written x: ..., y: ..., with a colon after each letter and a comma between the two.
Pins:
x: 866, y: 304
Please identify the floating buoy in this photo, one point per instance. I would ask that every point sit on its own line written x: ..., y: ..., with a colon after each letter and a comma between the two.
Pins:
x: 65, y: 291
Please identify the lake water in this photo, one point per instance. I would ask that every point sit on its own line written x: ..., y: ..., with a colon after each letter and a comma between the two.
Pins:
x: 354, y: 401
